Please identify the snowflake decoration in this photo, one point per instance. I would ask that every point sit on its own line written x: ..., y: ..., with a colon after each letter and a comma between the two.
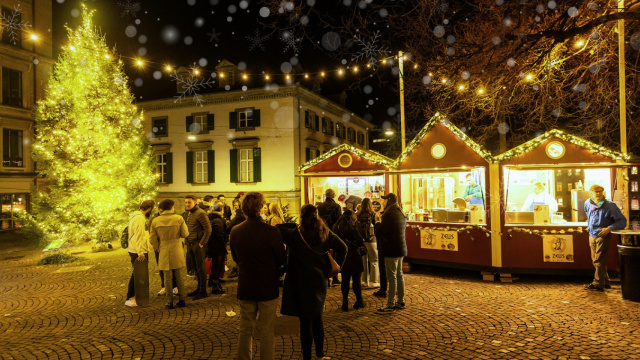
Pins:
x: 191, y: 86
x: 214, y: 36
x: 370, y: 51
x: 273, y: 136
x: 13, y: 24
x: 257, y: 40
x: 290, y: 42
x: 129, y: 8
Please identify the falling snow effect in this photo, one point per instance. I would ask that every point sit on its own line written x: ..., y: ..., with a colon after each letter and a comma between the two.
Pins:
x: 13, y: 25
x: 129, y: 8
x: 290, y: 42
x: 256, y: 40
x: 214, y: 36
x: 191, y: 86
x: 370, y: 51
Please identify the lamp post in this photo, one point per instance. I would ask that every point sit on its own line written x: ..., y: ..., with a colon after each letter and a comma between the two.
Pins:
x: 401, y: 74
x: 621, y: 71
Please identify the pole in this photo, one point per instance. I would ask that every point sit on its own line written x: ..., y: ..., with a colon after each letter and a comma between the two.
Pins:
x: 402, y: 130
x: 621, y: 67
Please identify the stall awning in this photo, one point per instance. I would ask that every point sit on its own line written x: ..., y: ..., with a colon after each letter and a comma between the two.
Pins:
x: 345, y: 158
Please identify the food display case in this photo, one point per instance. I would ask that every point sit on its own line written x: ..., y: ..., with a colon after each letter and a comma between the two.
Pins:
x: 442, y: 182
x: 544, y: 184
x: 348, y: 171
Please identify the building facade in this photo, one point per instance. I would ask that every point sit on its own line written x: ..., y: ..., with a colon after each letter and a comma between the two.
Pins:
x: 26, y: 61
x: 241, y: 141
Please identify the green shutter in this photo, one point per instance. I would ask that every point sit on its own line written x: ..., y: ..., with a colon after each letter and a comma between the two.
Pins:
x: 233, y: 165
x: 210, y: 122
x: 317, y: 123
x: 168, y: 159
x: 190, y: 167
x: 233, y: 120
x: 307, y: 154
x: 211, y: 166
x: 257, y: 165
x: 189, y: 123
x: 256, y: 118
x: 331, y: 127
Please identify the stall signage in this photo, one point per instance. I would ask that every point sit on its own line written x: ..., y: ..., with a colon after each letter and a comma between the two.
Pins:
x: 557, y: 248
x: 439, y: 240
x: 377, y: 206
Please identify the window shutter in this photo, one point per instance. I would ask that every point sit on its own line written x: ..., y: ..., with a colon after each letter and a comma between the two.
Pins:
x: 317, y: 153
x: 189, y: 123
x: 168, y: 159
x: 307, y: 154
x: 211, y: 166
x: 233, y: 165
x: 331, y: 127
x: 210, y: 122
x: 317, y: 123
x: 190, y: 167
x: 257, y: 165
x: 256, y: 118
x: 307, y: 121
x: 233, y: 120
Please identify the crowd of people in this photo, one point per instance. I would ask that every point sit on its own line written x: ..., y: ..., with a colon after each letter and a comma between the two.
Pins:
x: 267, y: 249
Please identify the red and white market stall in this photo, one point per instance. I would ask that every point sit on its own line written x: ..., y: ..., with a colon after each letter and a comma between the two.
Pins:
x: 443, y: 179
x: 544, y: 184
x: 348, y: 171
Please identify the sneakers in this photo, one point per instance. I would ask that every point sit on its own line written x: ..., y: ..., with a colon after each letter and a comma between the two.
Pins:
x: 359, y: 305
x: 194, y: 293
x: 162, y: 291
x: 386, y: 310
x: 375, y: 285
x: 380, y: 293
x: 594, y: 287
x: 200, y: 296
x: 191, y: 274
x: 181, y: 304
x: 131, y: 302
x: 400, y: 306
x: 175, y: 291
x: 217, y: 290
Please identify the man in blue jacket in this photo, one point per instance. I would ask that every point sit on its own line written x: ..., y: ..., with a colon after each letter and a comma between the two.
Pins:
x: 602, y: 216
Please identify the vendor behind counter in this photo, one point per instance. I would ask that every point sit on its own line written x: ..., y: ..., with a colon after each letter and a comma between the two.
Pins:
x: 539, y: 197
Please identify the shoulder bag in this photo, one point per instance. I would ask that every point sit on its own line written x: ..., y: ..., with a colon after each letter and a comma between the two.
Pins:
x: 332, y: 268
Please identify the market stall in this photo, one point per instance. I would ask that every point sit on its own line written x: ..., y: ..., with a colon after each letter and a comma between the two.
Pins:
x: 544, y: 184
x: 443, y: 181
x: 349, y: 171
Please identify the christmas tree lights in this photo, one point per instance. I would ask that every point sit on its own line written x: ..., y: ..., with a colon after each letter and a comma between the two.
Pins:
x: 90, y: 144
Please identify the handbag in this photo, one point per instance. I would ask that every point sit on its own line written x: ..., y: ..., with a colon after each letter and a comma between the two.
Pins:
x: 362, y: 250
x: 332, y: 268
x: 208, y: 263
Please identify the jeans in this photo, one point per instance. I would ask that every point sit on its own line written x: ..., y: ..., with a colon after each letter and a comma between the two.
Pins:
x: 197, y: 255
x: 370, y: 262
x: 599, y: 251
x: 131, y: 290
x: 357, y: 286
x: 162, y: 272
x: 396, y: 280
x: 311, y: 330
x: 177, y: 276
x: 265, y: 313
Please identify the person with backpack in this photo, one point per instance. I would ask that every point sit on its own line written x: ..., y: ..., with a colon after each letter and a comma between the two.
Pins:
x: 138, y: 244
x: 217, y: 247
x: 365, y: 225
x: 352, y: 267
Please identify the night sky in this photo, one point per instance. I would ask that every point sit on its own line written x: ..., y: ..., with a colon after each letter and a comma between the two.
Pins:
x: 204, y: 32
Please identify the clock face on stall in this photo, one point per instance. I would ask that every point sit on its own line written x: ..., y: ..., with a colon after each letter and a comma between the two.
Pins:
x: 555, y: 150
x: 438, y: 151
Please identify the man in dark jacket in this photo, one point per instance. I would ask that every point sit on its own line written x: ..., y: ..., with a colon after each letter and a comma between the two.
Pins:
x: 392, y: 232
x: 199, y: 232
x: 217, y: 247
x: 226, y: 212
x: 329, y: 210
x: 258, y: 250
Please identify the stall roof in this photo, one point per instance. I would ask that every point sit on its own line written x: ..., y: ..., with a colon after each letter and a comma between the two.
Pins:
x: 439, y: 130
x: 366, y: 160
x: 578, y: 150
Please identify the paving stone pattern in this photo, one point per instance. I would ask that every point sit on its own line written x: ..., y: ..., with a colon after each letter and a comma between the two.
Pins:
x: 77, y: 312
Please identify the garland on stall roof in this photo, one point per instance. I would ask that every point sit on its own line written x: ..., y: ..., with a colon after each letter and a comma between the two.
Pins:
x: 555, y: 133
x: 467, y: 229
x: 541, y: 233
x: 372, y: 156
x: 479, y: 149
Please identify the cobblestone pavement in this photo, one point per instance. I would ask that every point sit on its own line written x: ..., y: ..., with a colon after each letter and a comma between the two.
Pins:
x: 77, y: 312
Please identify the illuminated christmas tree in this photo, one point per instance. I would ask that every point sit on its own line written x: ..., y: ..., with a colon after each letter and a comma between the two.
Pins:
x: 90, y: 144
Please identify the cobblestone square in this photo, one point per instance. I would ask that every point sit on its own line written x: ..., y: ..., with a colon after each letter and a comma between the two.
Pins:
x: 77, y: 312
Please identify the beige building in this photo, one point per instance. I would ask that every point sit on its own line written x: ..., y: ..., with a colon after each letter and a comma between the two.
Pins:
x: 26, y: 60
x: 245, y: 140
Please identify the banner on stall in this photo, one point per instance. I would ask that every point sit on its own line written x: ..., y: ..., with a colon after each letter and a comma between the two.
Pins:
x: 557, y: 248
x: 438, y: 240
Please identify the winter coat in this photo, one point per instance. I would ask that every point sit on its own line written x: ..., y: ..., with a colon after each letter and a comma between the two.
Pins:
x: 167, y: 232
x: 390, y: 232
x: 217, y: 245
x: 226, y: 213
x: 305, y: 286
x: 258, y: 250
x: 138, y: 234
x: 198, y: 225
x: 330, y: 212
x: 353, y: 240
x: 238, y: 219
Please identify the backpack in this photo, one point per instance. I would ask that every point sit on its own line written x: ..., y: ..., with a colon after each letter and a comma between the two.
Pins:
x: 363, y: 225
x: 124, y: 238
